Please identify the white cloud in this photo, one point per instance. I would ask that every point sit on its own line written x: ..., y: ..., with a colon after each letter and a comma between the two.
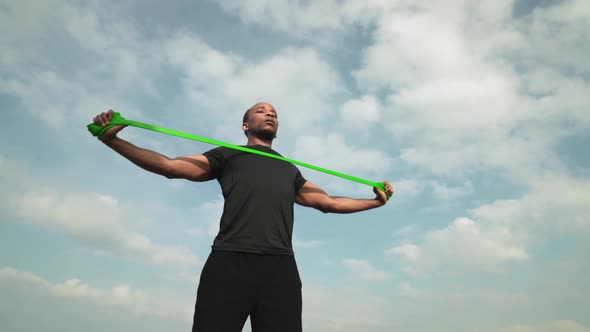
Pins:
x: 307, y: 244
x: 554, y: 326
x: 297, y: 81
x: 195, y: 231
x: 120, y: 297
x: 12, y: 171
x: 202, y: 66
x: 331, y: 309
x: 41, y: 87
x: 209, y: 219
x: 296, y: 17
x: 464, y: 109
x: 97, y: 221
x: 338, y: 186
x: 315, y: 20
x: 333, y: 152
x: 447, y: 193
x: 555, y: 202
x: 102, y: 44
x: 361, y: 113
x: 31, y: 22
x: 185, y: 276
x: 503, y: 231
x: 470, y: 89
x: 466, y: 244
x: 408, y: 252
x: 405, y: 231
x: 407, y: 188
x: 328, y: 309
x: 391, y: 60
x: 408, y: 290
x: 363, y: 270
x: 551, y: 30
x: 502, y: 211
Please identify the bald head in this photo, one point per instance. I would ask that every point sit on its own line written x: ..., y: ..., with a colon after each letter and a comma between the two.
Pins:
x: 261, y: 118
x: 261, y: 104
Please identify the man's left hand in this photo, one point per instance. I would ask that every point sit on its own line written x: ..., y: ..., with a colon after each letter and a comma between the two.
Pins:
x: 382, y: 196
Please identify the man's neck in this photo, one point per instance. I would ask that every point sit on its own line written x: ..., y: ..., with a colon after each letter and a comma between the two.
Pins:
x: 252, y: 140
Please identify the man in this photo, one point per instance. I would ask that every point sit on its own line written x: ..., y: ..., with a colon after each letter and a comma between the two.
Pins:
x: 251, y: 270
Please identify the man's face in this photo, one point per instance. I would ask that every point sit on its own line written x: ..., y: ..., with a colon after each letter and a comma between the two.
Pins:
x: 262, y: 121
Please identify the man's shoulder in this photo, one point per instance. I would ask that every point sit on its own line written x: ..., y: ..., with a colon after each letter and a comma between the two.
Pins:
x: 218, y: 150
x: 263, y: 149
x: 226, y: 152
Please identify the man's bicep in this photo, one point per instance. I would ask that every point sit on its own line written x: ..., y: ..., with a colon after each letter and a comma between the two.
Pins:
x: 311, y: 195
x: 193, y: 168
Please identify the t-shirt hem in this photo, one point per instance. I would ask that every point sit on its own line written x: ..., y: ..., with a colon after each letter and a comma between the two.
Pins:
x: 284, y: 252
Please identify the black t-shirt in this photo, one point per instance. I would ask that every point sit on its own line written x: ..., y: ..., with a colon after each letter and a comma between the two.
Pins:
x: 259, y: 195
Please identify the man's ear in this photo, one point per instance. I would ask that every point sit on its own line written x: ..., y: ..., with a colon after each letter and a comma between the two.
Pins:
x: 245, y: 128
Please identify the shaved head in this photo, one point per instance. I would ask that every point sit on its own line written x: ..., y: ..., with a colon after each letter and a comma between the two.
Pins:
x: 261, y: 120
x: 259, y: 104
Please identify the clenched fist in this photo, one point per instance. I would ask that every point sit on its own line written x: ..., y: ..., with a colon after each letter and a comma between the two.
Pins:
x: 103, y: 120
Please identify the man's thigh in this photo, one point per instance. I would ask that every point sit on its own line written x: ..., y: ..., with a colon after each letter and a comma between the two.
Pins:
x: 224, y: 297
x: 279, y: 304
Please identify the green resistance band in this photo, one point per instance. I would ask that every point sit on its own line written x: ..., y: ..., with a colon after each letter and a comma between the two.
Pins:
x: 117, y: 119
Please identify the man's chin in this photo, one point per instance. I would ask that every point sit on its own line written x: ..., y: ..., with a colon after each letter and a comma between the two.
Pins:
x: 264, y: 134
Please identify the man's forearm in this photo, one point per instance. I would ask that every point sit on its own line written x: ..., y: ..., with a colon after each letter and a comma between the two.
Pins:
x: 351, y: 205
x: 149, y: 160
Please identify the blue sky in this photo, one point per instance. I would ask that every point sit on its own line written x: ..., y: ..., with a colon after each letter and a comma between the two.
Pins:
x: 476, y: 112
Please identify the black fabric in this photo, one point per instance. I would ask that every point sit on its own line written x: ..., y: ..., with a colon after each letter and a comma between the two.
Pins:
x: 234, y: 285
x: 259, y: 195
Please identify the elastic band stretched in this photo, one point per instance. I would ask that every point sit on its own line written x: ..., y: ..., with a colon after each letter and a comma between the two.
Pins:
x: 117, y: 119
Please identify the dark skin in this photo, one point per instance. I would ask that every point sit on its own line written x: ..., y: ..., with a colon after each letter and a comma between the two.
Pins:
x: 261, y: 128
x: 262, y: 125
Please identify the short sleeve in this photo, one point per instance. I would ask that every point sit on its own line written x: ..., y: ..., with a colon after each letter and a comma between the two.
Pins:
x: 216, y: 161
x: 299, y: 181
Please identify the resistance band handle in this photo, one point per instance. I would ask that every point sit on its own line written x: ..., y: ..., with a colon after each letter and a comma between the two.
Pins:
x: 98, y: 131
x: 117, y: 119
x: 381, y: 187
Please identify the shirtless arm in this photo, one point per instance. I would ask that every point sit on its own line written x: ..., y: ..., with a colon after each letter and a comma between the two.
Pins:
x: 311, y: 195
x: 193, y: 168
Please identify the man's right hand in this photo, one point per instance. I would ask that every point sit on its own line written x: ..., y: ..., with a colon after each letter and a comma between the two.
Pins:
x: 102, y: 120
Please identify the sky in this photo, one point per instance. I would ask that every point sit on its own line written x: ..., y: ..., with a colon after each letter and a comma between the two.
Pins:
x: 477, y: 112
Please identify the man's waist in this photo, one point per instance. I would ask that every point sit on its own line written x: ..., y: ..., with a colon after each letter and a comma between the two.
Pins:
x: 252, y: 249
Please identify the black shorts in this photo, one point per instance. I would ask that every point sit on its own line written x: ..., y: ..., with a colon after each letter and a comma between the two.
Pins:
x: 235, y: 285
